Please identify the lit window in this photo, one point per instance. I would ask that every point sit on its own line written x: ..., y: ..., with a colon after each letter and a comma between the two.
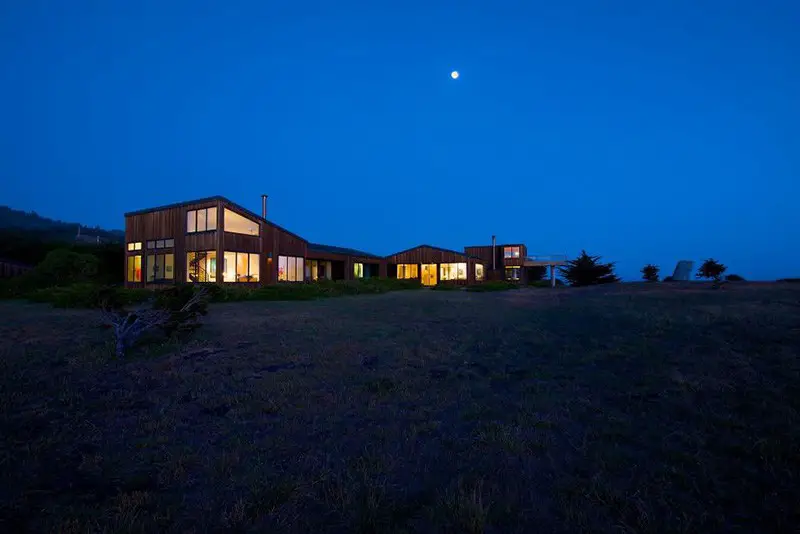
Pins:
x: 137, y: 245
x: 358, y: 270
x: 201, y: 220
x: 407, y: 271
x: 511, y: 252
x: 240, y: 267
x: 201, y: 266
x: 479, y: 271
x: 134, y: 269
x: 160, y: 267
x: 238, y: 224
x: 290, y: 269
x: 318, y: 270
x: 453, y: 271
x: 512, y: 273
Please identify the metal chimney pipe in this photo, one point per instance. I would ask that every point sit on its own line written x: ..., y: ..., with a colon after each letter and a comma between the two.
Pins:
x: 494, y: 254
x: 264, y: 206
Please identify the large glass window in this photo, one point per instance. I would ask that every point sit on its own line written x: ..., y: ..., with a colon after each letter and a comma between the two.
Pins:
x: 160, y: 267
x: 512, y: 273
x: 479, y: 272
x: 511, y: 252
x: 358, y: 270
x: 318, y: 270
x: 453, y: 271
x: 201, y: 220
x: 290, y: 269
x: 134, y: 269
x: 135, y: 245
x: 201, y: 266
x: 238, y: 224
x: 240, y: 267
x: 407, y: 271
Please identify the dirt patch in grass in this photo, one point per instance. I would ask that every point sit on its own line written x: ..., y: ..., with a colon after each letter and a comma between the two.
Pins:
x: 633, y: 408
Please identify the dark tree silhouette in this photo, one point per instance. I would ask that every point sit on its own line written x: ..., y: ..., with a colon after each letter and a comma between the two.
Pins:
x: 711, y: 269
x: 587, y: 270
x: 536, y: 273
x: 650, y: 272
x: 734, y: 278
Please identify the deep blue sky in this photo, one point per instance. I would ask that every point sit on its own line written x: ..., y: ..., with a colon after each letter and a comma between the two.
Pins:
x: 640, y: 131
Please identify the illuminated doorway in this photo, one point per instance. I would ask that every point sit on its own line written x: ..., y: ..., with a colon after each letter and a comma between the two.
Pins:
x: 429, y: 274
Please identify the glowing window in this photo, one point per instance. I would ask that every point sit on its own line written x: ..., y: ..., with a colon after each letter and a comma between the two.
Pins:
x: 238, y: 224
x: 290, y: 269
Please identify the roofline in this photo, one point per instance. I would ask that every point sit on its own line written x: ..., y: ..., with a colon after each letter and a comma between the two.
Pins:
x: 216, y: 198
x: 180, y: 205
x: 434, y: 248
x: 345, y: 250
x: 498, y: 245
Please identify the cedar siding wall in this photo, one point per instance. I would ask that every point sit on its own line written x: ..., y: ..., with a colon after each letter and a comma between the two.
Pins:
x: 273, y: 241
x: 169, y: 223
x: 427, y: 254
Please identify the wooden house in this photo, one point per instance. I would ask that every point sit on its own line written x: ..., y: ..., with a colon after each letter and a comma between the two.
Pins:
x: 214, y: 240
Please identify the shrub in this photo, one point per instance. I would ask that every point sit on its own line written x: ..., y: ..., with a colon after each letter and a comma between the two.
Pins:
x: 668, y: 279
x: 495, y: 285
x: 790, y: 280
x: 63, y: 267
x: 587, y: 270
x: 711, y: 269
x: 734, y: 278
x: 183, y: 304
x: 310, y: 290
x: 88, y: 295
x: 650, y: 272
x: 129, y: 326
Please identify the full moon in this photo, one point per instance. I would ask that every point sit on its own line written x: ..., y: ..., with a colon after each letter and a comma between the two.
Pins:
x: 454, y: 74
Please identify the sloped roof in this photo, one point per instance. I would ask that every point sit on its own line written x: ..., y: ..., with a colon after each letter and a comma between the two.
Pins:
x: 435, y: 248
x: 340, y: 250
x: 215, y: 199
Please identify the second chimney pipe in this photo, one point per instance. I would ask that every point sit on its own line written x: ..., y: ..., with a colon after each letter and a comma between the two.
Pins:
x: 494, y: 255
x: 264, y: 206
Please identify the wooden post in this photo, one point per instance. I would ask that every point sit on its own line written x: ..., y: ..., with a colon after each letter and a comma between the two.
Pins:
x: 552, y: 275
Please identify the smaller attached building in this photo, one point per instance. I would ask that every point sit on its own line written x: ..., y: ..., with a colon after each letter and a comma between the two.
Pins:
x: 433, y: 265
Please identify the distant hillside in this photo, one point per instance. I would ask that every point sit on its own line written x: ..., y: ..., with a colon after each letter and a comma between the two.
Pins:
x: 46, y: 229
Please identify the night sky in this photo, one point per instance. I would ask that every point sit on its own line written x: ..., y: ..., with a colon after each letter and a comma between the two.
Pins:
x: 640, y: 131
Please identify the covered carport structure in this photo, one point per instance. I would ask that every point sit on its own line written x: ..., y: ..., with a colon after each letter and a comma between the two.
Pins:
x: 545, y: 260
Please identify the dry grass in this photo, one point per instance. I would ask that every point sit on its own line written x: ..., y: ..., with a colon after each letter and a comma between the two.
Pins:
x: 635, y: 408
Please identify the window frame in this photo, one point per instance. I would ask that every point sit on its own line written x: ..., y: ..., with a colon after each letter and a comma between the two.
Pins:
x: 257, y: 224
x: 208, y: 219
x: 134, y: 246
x: 163, y: 263
x: 131, y: 271
x: 450, y: 272
x: 409, y: 271
x: 226, y: 254
x: 299, y: 270
x: 512, y: 269
x: 211, y: 258
x: 358, y: 270
x: 480, y: 267
x: 167, y: 242
x: 509, y: 252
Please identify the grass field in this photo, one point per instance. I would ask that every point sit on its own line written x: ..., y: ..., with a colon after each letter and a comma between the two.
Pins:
x: 634, y: 408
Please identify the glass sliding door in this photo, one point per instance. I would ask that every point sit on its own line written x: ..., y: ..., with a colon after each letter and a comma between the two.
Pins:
x: 429, y: 274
